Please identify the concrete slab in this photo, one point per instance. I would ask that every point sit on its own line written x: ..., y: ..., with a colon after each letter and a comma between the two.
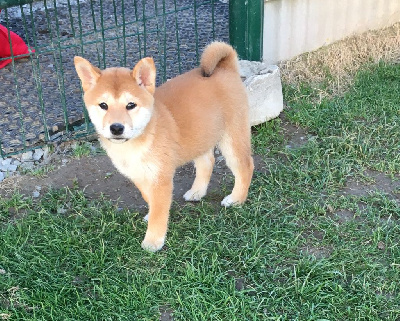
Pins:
x: 264, y: 88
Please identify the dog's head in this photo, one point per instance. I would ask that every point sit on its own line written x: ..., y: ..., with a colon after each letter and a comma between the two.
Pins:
x: 119, y: 100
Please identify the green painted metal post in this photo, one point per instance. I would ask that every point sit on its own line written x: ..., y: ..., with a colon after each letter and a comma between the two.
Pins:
x: 246, y: 20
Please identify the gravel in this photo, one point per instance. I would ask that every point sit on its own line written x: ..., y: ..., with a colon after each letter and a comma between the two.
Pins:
x: 20, y: 164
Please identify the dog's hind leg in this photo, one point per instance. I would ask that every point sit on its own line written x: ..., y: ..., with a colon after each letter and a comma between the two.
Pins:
x: 237, y: 153
x: 204, y: 166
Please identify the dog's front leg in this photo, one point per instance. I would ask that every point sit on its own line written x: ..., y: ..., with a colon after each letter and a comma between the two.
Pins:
x: 160, y: 198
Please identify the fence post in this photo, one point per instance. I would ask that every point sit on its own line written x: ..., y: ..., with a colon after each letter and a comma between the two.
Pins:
x: 246, y: 19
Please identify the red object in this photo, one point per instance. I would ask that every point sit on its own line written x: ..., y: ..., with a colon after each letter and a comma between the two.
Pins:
x: 19, y: 47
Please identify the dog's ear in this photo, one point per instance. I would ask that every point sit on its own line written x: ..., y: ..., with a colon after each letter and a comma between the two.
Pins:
x: 145, y: 74
x: 86, y: 72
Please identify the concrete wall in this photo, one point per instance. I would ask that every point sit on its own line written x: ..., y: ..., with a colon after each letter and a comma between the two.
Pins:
x: 292, y: 27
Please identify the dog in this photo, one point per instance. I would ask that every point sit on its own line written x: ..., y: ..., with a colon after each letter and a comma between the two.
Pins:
x: 148, y: 132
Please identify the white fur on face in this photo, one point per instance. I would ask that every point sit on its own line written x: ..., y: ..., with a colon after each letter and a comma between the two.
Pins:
x: 139, y: 118
x: 96, y: 115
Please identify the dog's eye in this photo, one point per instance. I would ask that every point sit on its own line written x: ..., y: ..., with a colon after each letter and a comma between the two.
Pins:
x: 130, y: 106
x: 103, y: 106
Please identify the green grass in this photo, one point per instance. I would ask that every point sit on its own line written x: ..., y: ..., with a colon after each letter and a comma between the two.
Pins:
x: 82, y: 149
x: 41, y: 171
x: 285, y: 255
x: 363, y: 125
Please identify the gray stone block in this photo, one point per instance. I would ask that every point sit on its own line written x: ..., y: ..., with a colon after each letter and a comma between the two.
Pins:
x: 264, y: 89
x: 38, y: 154
x: 27, y: 156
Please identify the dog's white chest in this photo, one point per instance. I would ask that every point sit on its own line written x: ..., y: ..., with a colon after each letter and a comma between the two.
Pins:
x: 132, y: 163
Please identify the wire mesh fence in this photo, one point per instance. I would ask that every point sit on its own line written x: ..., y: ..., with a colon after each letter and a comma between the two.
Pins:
x: 40, y: 94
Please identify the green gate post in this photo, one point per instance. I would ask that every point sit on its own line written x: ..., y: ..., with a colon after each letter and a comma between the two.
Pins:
x: 246, y: 19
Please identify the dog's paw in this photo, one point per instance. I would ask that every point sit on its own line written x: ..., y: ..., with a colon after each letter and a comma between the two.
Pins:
x: 194, y: 195
x: 152, y: 244
x: 229, y: 201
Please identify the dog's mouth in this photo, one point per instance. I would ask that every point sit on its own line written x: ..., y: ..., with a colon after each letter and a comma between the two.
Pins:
x: 118, y: 140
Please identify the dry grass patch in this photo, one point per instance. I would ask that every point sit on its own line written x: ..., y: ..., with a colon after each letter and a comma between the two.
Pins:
x: 334, y: 66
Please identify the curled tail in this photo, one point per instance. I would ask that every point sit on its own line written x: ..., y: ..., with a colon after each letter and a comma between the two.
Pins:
x: 218, y: 54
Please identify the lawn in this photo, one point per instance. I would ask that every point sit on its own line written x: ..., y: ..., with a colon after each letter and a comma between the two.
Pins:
x: 306, y: 246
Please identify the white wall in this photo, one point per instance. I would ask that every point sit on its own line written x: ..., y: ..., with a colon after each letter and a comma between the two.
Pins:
x: 292, y: 27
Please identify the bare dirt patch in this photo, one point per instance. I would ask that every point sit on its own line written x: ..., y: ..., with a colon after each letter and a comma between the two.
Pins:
x: 312, y: 247
x: 317, y: 252
x: 344, y: 216
x: 370, y: 182
x: 96, y: 175
x: 294, y: 136
x: 166, y: 313
x: 373, y: 181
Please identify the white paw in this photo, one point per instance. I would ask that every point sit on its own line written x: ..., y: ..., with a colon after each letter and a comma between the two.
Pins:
x: 146, y: 218
x: 193, y: 196
x: 228, y: 201
x: 152, y: 244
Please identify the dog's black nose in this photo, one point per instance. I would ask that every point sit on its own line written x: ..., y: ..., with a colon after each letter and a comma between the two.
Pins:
x: 116, y: 129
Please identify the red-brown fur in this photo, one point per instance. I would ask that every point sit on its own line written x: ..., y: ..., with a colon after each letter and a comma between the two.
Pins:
x: 182, y: 120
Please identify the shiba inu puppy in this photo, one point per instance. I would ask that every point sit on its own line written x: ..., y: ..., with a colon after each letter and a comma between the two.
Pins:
x: 148, y: 132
